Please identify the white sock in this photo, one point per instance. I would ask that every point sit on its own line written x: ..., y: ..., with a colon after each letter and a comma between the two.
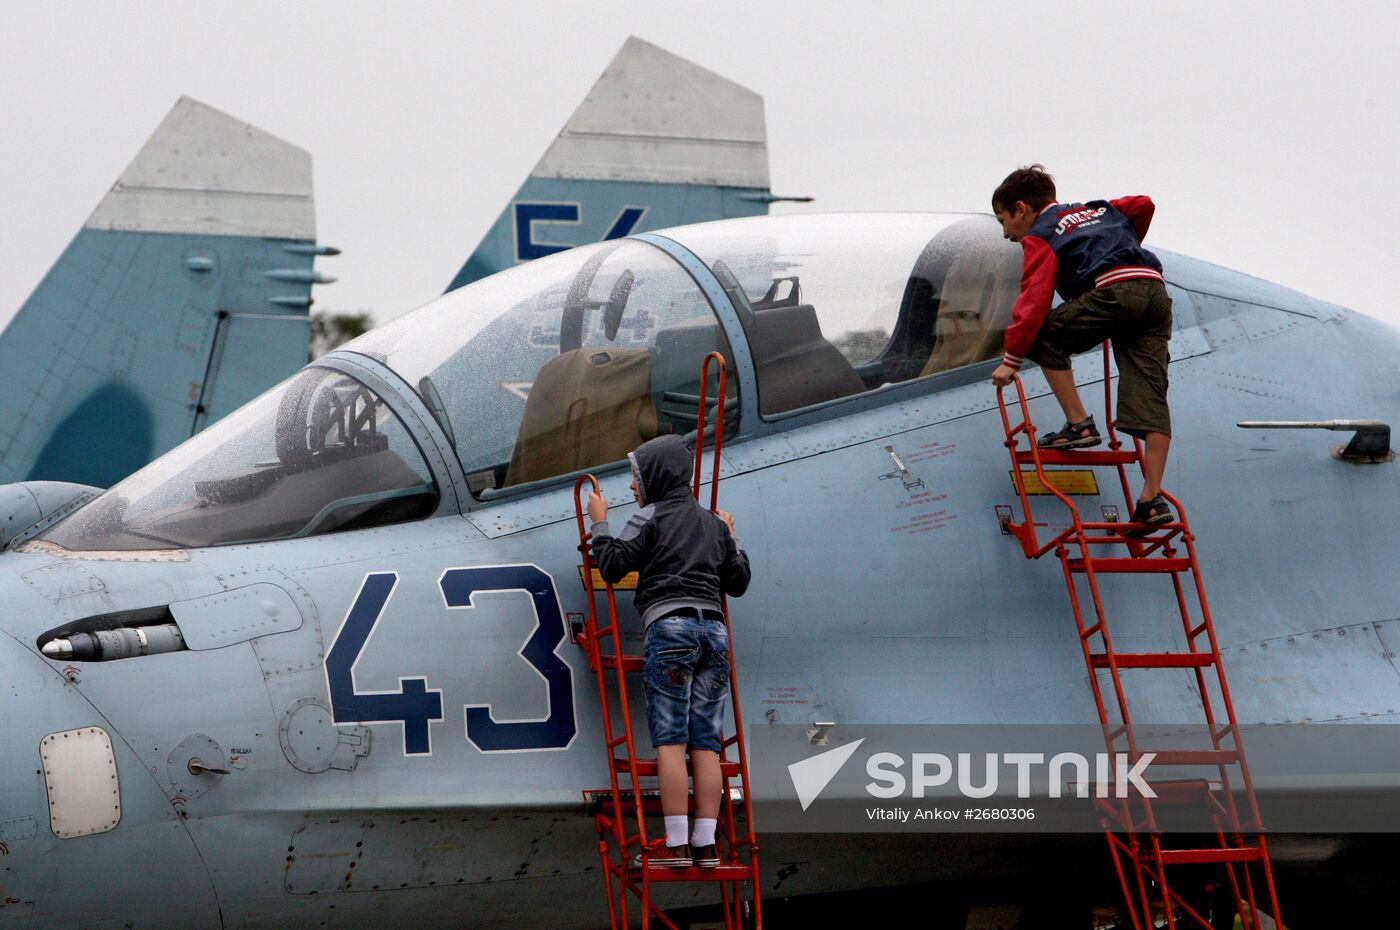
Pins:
x: 675, y: 830
x: 704, y: 834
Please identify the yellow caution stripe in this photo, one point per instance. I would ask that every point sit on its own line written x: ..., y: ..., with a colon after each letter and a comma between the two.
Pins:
x: 628, y: 582
x: 1068, y: 481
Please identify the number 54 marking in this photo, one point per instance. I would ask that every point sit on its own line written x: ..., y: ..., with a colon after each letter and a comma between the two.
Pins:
x: 415, y: 705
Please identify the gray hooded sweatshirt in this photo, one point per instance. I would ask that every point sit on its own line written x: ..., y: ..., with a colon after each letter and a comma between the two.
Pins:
x: 683, y: 553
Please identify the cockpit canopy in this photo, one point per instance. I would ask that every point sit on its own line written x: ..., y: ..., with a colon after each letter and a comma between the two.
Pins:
x: 898, y: 296
x: 320, y: 452
x: 571, y: 361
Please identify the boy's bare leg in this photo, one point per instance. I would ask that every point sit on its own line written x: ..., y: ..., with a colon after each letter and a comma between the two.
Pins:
x: 1154, y: 463
x: 709, y: 783
x: 1066, y: 392
x: 675, y: 788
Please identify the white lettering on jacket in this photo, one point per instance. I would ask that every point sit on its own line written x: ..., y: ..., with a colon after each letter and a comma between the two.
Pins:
x: 1078, y: 218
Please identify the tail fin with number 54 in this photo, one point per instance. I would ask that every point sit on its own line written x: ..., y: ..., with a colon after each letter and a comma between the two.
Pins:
x: 657, y: 142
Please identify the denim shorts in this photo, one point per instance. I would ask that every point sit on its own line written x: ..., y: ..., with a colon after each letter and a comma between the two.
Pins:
x: 686, y: 672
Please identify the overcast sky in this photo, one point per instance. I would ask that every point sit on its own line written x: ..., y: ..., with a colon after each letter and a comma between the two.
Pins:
x: 1266, y: 132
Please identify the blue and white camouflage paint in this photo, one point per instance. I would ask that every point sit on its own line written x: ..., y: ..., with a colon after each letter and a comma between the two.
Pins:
x: 184, y: 295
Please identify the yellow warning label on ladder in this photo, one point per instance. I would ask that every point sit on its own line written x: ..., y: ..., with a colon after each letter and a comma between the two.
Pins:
x: 1068, y: 481
x: 628, y: 582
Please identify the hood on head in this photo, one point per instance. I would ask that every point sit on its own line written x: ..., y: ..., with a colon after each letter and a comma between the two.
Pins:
x: 663, y: 466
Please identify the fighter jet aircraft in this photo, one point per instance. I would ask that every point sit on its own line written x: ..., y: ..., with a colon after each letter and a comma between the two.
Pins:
x: 313, y: 667
x: 184, y: 296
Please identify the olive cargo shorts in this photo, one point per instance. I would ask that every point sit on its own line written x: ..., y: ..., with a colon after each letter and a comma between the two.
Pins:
x: 1137, y: 316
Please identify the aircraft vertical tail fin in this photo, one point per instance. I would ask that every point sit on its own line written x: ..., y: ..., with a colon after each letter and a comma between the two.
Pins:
x: 185, y: 294
x: 658, y: 141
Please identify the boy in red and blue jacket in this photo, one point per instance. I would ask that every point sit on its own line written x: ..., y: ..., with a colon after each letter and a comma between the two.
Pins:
x: 1113, y: 289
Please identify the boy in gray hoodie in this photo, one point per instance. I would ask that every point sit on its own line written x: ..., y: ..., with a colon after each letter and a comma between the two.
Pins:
x: 685, y: 557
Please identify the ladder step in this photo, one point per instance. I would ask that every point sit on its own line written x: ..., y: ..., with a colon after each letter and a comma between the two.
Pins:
x: 1192, y: 791
x: 1076, y: 457
x: 1194, y: 756
x: 1155, y: 659
x: 601, y: 801
x: 1132, y: 565
x: 1120, y: 537
x: 720, y: 873
x: 1182, y: 793
x: 630, y: 664
x: 1190, y: 856
x: 728, y: 767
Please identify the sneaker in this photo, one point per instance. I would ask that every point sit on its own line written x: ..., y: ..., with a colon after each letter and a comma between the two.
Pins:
x: 659, y: 855
x: 1151, y: 514
x: 706, y: 857
x: 1072, y: 435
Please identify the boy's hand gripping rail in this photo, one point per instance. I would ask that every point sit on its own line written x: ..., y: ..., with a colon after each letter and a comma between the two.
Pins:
x: 591, y: 633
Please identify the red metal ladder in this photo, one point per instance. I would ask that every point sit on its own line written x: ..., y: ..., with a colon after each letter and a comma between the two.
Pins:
x: 1138, y: 845
x: 620, y: 810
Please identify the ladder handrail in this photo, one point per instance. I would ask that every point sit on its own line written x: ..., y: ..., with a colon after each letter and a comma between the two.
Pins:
x: 738, y: 738
x: 701, y: 416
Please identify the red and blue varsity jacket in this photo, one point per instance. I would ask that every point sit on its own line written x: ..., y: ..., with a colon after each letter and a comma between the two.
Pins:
x: 1073, y: 248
